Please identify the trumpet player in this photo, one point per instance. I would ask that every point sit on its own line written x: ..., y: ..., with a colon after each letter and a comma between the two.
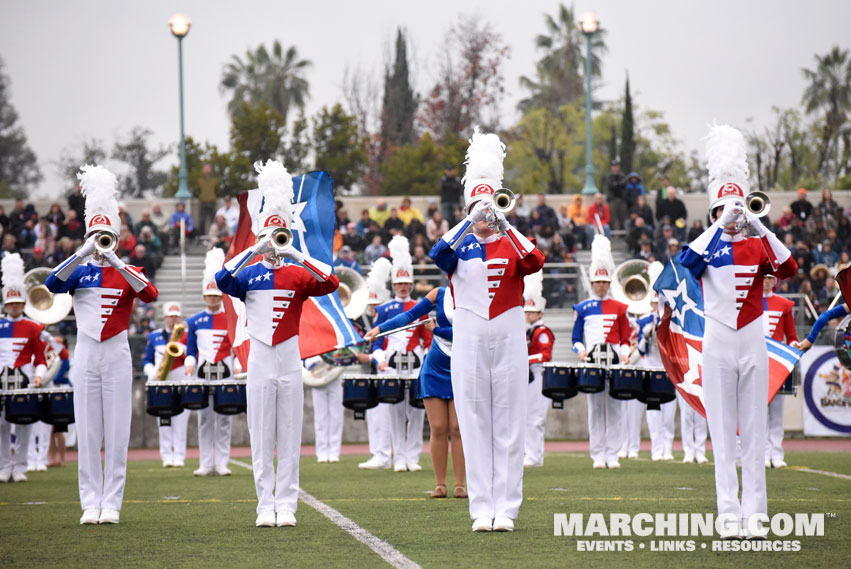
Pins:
x: 730, y: 268
x: 173, y: 436
x: 273, y: 291
x: 104, y: 289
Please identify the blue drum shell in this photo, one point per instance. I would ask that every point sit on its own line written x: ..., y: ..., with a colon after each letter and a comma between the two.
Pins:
x: 229, y: 399
x: 23, y: 408
x: 413, y: 392
x: 163, y: 401
x: 625, y: 384
x: 391, y: 390
x: 559, y: 383
x: 788, y: 387
x: 58, y: 408
x: 194, y: 396
x: 359, y: 394
x: 591, y: 379
x: 657, y: 388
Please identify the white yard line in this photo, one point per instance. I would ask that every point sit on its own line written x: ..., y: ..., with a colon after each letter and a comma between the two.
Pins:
x: 387, y: 552
x: 822, y: 472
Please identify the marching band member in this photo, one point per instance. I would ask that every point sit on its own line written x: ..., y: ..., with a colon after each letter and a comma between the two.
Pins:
x: 209, y: 356
x: 490, y: 371
x: 172, y: 436
x: 273, y: 291
x: 377, y: 418
x: 778, y: 321
x: 539, y: 340
x: 41, y: 433
x: 837, y: 311
x: 56, y: 449
x: 602, y: 320
x: 435, y: 386
x: 730, y: 268
x: 21, y: 358
x: 327, y: 408
x: 104, y: 288
x: 406, y: 421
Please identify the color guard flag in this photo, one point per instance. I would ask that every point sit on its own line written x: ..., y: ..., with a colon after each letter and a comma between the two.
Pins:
x: 680, y: 335
x: 323, y: 325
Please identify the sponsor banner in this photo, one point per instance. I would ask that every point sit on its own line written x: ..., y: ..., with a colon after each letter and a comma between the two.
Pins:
x: 826, y: 386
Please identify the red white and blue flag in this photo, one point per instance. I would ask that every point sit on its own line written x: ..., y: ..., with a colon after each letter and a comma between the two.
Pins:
x: 680, y: 335
x: 323, y: 325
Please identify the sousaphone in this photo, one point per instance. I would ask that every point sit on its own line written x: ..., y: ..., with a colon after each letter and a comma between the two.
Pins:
x: 631, y: 285
x: 42, y: 305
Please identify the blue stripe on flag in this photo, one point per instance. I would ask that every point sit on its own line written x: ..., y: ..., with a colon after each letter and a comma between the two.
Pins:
x: 782, y: 353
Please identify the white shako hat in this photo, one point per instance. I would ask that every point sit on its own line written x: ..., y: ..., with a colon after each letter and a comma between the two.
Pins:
x: 483, y: 175
x: 376, y: 281
x: 403, y: 265
x: 14, y: 289
x: 100, y: 188
x: 602, y: 264
x: 653, y: 271
x: 212, y: 264
x: 171, y: 308
x: 533, y: 292
x: 727, y: 162
x: 276, y: 187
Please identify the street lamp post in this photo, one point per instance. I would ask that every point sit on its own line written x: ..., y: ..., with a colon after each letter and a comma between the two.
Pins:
x: 179, y: 25
x: 588, y: 25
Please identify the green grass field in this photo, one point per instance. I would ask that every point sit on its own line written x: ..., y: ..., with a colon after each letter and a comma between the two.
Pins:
x: 171, y: 519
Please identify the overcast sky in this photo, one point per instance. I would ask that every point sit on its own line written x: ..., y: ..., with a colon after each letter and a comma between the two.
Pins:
x: 98, y: 68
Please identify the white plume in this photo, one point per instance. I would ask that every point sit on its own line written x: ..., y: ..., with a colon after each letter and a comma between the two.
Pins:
x: 213, y: 263
x: 534, y: 285
x: 276, y: 186
x: 484, y: 157
x: 601, y: 256
x: 726, y: 153
x: 399, y: 251
x: 379, y: 274
x: 100, y: 188
x: 13, y: 271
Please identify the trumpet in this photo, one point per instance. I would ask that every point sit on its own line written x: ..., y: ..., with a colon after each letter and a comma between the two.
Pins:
x: 504, y: 200
x: 282, y: 239
x: 173, y: 349
x: 104, y: 241
x: 758, y: 203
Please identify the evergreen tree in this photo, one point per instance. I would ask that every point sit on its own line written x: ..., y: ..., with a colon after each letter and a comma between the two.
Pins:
x: 400, y: 104
x: 627, y: 133
x: 19, y: 170
x: 338, y: 150
x: 136, y: 153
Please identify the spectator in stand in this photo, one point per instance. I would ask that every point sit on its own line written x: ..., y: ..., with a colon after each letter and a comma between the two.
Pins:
x: 371, y: 232
x: 544, y: 237
x: 645, y: 250
x: 803, y: 256
x: 140, y: 258
x: 180, y: 214
x: 208, y: 190
x: 77, y: 202
x: 633, y: 189
x: 45, y: 235
x: 843, y: 233
x: 638, y: 233
x: 37, y: 259
x: 786, y: 220
x: 346, y: 258
x: 64, y: 247
x: 160, y: 219
x: 520, y: 208
x: 145, y: 221
x: 220, y: 234
x: 55, y: 215
x: 124, y: 215
x: 806, y: 289
x: 598, y: 209
x: 26, y: 235
x: 547, y: 214
x: 579, y: 214
x: 844, y: 262
x: 535, y: 221
x: 393, y: 222
x: 354, y: 239
x: 436, y: 227
x: 378, y: 213
x: 362, y: 226
x: 18, y: 216
x: 566, y: 229
x: 230, y: 211
x: 416, y: 227
x: 828, y: 210
x: 673, y: 251
x: 802, y: 208
x: 73, y: 227
x: 614, y: 183
x: 673, y: 211
x: 644, y: 211
x: 696, y: 229
x: 152, y: 243
x: 819, y: 275
x: 450, y: 193
x: 825, y: 254
x: 4, y: 220
x: 375, y: 250
x: 661, y: 248
x: 10, y: 244
x: 126, y: 242
x: 423, y: 286
x: 825, y: 295
x: 407, y: 213
x: 342, y: 215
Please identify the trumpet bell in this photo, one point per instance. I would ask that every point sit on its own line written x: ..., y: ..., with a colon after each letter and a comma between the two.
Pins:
x: 105, y: 241
x: 282, y: 238
x: 758, y: 203
x: 352, y: 292
x: 504, y: 200
x: 42, y: 305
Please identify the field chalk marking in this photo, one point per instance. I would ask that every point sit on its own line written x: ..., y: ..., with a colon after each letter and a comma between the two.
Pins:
x: 387, y: 552
x: 822, y: 472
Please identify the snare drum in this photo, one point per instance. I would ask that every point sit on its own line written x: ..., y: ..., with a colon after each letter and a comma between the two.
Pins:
x: 626, y: 382
x: 413, y: 394
x: 590, y: 378
x: 359, y: 394
x: 23, y: 406
x: 658, y: 388
x: 57, y: 406
x: 229, y: 397
x: 195, y: 395
x: 559, y: 382
x: 163, y: 399
x: 391, y: 389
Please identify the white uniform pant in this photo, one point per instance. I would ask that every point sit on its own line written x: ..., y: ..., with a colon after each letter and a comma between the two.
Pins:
x: 406, y: 431
x: 102, y: 376
x: 275, y: 410
x: 173, y: 437
x: 490, y: 377
x: 378, y: 431
x: 39, y: 444
x: 328, y: 419
x: 631, y: 412
x: 18, y: 462
x: 213, y: 436
x: 605, y: 427
x: 735, y: 388
x: 692, y: 429
x: 774, y: 442
x: 661, y: 426
x: 536, y: 417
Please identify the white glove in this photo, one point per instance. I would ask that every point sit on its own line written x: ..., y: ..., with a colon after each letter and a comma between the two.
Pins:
x: 756, y: 226
x: 113, y: 260
x: 732, y: 212
x: 264, y: 245
x: 294, y: 254
x: 480, y: 210
x: 87, y: 248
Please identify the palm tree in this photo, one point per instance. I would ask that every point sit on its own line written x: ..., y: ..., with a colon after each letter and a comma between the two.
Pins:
x: 560, y: 72
x: 829, y: 89
x: 276, y: 79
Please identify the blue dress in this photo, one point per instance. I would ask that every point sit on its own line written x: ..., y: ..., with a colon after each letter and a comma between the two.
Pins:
x: 435, y: 379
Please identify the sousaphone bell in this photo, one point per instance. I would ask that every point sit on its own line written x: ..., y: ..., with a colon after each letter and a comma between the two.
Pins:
x: 42, y: 305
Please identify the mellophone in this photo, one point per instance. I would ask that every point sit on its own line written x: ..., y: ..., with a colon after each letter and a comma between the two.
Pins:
x: 51, y: 405
x: 562, y: 381
x: 365, y: 391
x: 169, y: 398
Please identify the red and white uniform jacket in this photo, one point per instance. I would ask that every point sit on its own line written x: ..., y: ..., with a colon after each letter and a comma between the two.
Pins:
x: 273, y: 296
x: 208, y: 342
x: 416, y: 340
x: 540, y: 340
x: 21, y: 348
x: 155, y: 351
x: 103, y: 299
x: 601, y: 321
x: 731, y: 269
x: 777, y: 319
